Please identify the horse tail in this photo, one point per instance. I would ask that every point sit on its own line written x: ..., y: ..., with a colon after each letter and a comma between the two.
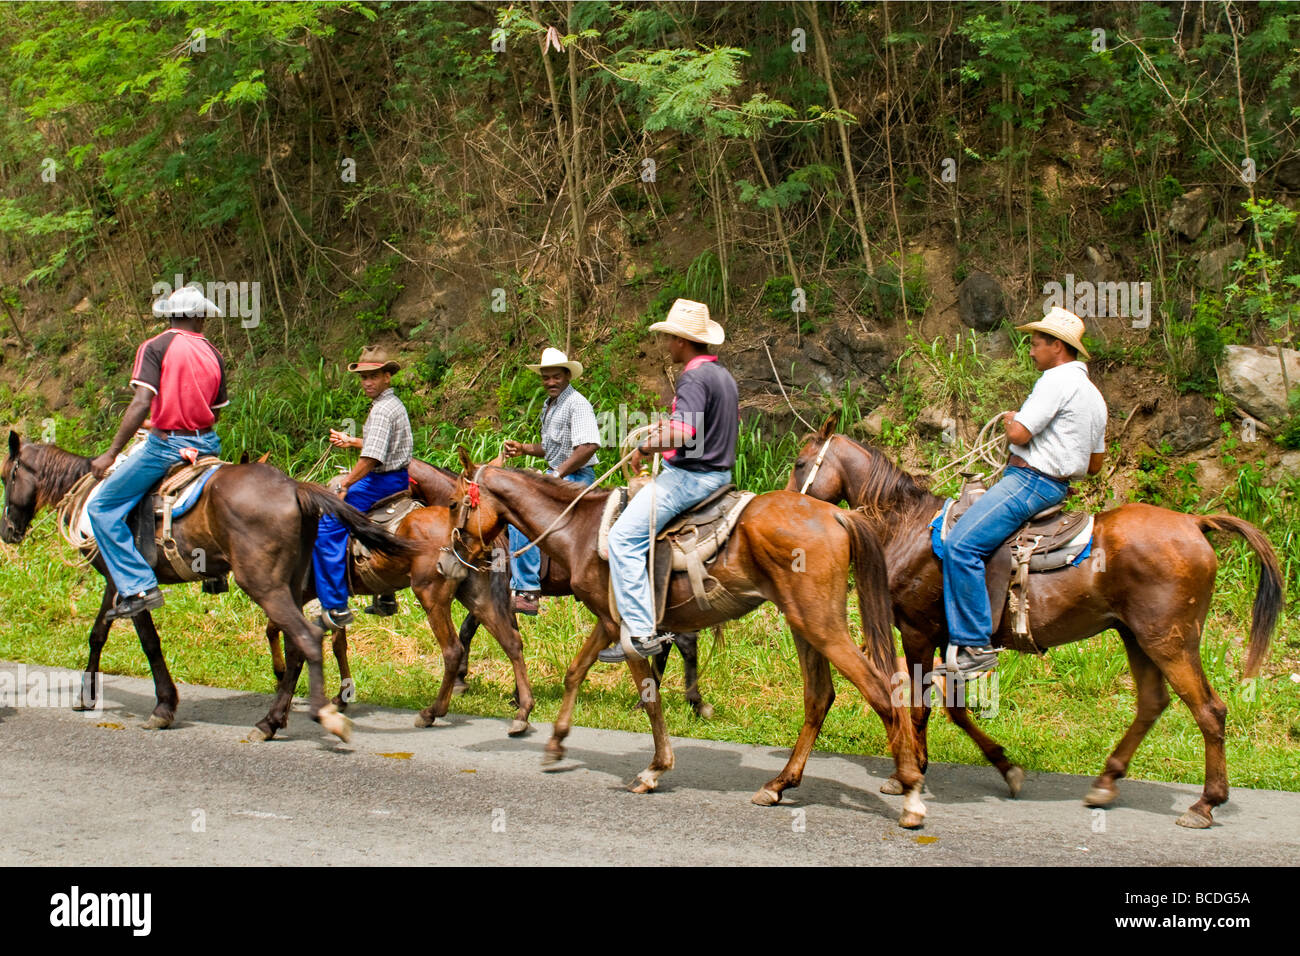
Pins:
x: 1268, y: 596
x: 871, y: 578
x: 316, y: 500
x: 468, y: 628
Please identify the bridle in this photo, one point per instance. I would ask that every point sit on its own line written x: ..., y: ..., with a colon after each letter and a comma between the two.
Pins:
x: 821, y: 455
x: 469, y: 502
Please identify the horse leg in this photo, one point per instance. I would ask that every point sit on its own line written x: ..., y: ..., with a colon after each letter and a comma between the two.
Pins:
x: 688, y: 644
x: 658, y: 664
x: 347, y: 687
x: 919, y: 654
x: 98, y: 637
x: 277, y: 718
x: 500, y: 622
x: 648, y: 690
x: 468, y: 628
x: 435, y: 598
x: 818, y: 695
x: 1152, y: 699
x: 164, y: 711
x: 278, y: 602
x: 273, y: 635
x: 573, y: 678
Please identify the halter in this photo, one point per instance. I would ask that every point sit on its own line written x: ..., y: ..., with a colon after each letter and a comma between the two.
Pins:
x: 807, y: 482
x: 469, y: 502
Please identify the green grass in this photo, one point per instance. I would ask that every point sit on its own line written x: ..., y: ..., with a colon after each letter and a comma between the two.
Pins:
x: 1062, y: 713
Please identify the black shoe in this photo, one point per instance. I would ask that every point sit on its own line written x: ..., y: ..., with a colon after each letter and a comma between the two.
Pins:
x: 643, y: 647
x: 964, y: 663
x: 384, y: 605
x: 135, y: 604
x: 335, y: 620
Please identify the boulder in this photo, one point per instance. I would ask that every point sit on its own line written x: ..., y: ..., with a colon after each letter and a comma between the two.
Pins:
x: 1212, y: 266
x: 871, y: 426
x: 1186, y: 424
x: 1190, y: 213
x: 1288, y: 467
x: 1288, y: 173
x: 1252, y: 377
x: 1212, y: 477
x: 981, y: 303
x: 932, y: 421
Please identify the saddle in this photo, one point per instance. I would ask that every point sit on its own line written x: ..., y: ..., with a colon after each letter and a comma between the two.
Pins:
x: 1050, y: 540
x: 686, y: 545
x: 387, y: 513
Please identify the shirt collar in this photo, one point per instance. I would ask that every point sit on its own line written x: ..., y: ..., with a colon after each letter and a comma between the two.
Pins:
x: 561, y: 398
x: 698, y: 361
x: 385, y: 394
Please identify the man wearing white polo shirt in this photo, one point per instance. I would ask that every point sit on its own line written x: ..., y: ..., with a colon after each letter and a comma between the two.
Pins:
x: 1058, y: 435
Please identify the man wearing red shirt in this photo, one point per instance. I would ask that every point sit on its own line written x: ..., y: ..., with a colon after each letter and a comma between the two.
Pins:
x: 180, y: 383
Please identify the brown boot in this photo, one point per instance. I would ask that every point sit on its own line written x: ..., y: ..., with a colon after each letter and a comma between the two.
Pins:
x: 526, y: 602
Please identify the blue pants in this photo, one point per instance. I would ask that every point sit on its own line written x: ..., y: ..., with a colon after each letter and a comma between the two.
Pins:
x: 675, y: 490
x: 121, y: 492
x: 329, y: 556
x: 992, y: 519
x: 526, y: 569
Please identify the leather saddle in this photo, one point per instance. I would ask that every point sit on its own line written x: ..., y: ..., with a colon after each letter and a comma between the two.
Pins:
x: 687, y: 545
x: 1052, y: 539
x: 388, y: 514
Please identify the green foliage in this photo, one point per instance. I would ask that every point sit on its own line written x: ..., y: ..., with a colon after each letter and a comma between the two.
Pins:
x: 915, y: 289
x: 704, y: 280
x: 374, y: 296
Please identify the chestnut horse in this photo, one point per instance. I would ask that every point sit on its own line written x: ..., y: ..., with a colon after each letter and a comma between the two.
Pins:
x: 1150, y: 577
x: 786, y: 548
x: 251, y: 519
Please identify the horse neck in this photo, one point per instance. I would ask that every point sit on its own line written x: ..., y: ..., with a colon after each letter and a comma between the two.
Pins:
x: 856, y: 469
x: 58, y: 471
x: 532, y: 503
x: 435, y: 484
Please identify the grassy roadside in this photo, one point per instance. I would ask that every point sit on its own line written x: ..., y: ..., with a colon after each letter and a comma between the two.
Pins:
x: 1062, y: 713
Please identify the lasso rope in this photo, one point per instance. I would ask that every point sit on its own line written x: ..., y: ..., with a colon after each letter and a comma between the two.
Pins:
x: 989, y: 451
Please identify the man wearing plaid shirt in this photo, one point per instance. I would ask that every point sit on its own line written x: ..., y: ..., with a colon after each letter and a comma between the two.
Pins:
x: 385, y: 445
x: 570, y: 437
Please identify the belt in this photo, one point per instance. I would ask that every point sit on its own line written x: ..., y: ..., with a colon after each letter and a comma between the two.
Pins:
x: 1017, y: 462
x: 183, y: 432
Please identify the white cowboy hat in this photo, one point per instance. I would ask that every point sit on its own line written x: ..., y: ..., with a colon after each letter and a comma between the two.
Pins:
x: 1060, y: 324
x: 188, y: 300
x: 554, y: 358
x: 690, y: 320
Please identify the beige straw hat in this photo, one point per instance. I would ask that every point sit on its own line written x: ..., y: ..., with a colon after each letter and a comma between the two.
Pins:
x: 1062, y: 325
x: 690, y: 320
x: 554, y: 358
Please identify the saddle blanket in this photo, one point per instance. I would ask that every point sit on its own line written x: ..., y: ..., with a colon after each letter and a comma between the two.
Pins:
x: 1082, y: 542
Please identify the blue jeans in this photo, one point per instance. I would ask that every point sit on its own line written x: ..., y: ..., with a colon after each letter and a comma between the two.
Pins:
x: 992, y: 519
x: 121, y: 492
x: 525, y: 570
x: 675, y: 490
x: 329, y: 556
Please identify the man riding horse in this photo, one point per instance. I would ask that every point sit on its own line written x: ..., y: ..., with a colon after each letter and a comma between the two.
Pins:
x: 698, y: 444
x: 1057, y: 436
x: 180, y: 385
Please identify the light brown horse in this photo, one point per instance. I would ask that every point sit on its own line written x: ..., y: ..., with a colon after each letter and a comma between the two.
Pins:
x: 786, y: 548
x: 1150, y: 577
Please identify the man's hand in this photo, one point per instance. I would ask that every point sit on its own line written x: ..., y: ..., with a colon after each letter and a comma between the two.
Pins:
x: 637, y: 461
x: 100, y: 465
x: 343, y: 440
x: 343, y: 490
x: 513, y: 449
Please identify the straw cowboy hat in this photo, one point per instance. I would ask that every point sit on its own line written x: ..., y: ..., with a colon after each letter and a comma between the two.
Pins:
x: 187, y: 301
x: 690, y: 320
x: 554, y: 358
x: 1062, y: 325
x: 374, y: 359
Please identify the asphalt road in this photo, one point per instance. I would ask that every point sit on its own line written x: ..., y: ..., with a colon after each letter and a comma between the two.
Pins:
x: 78, y: 789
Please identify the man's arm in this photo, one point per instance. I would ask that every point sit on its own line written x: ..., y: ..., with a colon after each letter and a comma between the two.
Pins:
x: 134, y: 417
x: 1095, y: 461
x: 581, y: 455
x: 1017, y: 433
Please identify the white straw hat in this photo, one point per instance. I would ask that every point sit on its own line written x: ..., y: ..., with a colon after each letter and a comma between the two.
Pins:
x: 690, y: 320
x: 1062, y: 325
x: 188, y: 300
x: 554, y: 358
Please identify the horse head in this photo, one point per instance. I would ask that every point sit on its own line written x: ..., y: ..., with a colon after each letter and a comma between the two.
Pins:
x: 475, y: 523
x: 21, y: 486
x: 815, y: 472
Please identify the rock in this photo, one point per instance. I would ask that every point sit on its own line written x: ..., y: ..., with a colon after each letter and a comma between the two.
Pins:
x: 1186, y: 424
x: 83, y: 305
x: 1190, y: 213
x: 1212, y: 477
x: 932, y: 421
x: 981, y: 303
x: 871, y: 426
x: 1212, y: 266
x: 1288, y: 173
x: 1287, y: 468
x: 1252, y: 377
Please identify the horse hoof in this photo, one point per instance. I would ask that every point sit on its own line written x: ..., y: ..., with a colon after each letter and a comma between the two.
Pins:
x: 517, y: 727
x: 892, y: 786
x: 1099, y: 797
x: 423, y: 720
x: 644, y: 783
x: 911, y: 820
x: 1195, y: 820
x: 1015, y: 780
x: 335, y: 723
x: 765, y: 797
x: 704, y: 712
x: 459, y: 688
x: 551, y: 757
x: 156, y: 723
x: 257, y: 735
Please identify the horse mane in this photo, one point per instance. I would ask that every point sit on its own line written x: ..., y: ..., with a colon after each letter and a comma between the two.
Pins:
x: 887, y: 488
x: 558, y: 483
x: 58, y: 470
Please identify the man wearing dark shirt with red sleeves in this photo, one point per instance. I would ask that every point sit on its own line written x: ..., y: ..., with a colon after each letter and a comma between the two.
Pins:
x: 180, y: 383
x: 698, y: 443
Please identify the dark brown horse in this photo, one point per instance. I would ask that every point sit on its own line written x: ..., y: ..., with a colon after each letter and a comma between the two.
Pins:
x: 251, y: 520
x: 1150, y: 577
x: 786, y: 548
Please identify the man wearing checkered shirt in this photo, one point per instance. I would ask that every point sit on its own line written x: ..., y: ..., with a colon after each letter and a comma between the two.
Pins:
x: 570, y: 437
x: 385, y: 445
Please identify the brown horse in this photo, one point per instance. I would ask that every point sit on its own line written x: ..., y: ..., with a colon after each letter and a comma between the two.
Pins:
x: 251, y: 519
x: 786, y: 548
x: 1150, y: 577
x: 485, y: 594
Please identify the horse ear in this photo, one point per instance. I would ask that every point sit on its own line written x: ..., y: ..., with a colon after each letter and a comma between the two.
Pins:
x: 499, y: 460
x: 466, y: 462
x: 15, y: 443
x: 828, y: 427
